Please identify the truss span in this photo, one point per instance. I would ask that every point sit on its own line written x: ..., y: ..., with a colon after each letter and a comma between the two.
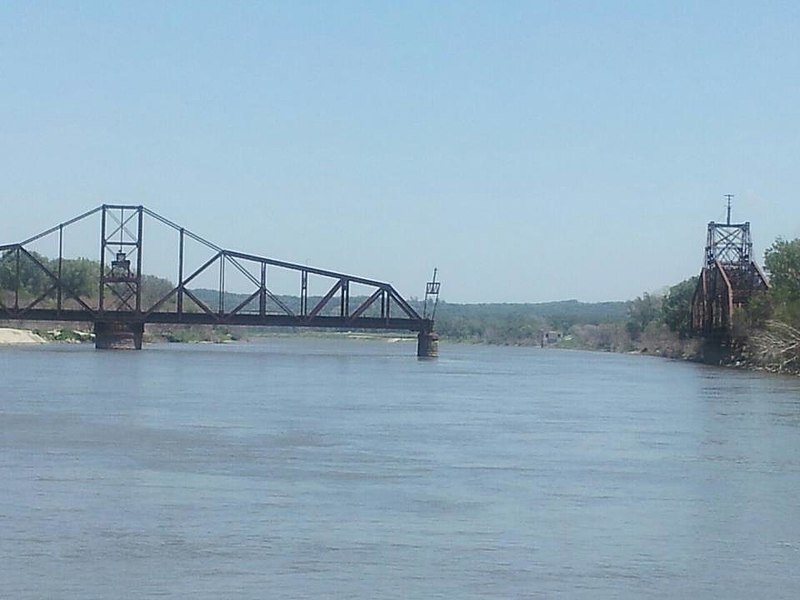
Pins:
x: 214, y: 285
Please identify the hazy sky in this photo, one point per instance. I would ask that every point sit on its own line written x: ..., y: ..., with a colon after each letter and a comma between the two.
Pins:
x: 532, y: 151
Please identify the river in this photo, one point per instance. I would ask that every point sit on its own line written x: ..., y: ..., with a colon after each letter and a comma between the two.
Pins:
x: 327, y: 468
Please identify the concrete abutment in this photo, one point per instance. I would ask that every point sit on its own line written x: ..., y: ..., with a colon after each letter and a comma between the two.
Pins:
x: 117, y: 335
x: 427, y: 344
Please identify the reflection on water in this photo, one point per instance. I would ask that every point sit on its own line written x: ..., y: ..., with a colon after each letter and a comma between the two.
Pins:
x: 297, y: 468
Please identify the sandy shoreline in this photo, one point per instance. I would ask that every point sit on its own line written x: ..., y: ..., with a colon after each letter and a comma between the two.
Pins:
x: 19, y: 336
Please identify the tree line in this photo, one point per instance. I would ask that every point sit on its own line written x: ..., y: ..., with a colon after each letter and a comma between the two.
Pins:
x: 80, y: 275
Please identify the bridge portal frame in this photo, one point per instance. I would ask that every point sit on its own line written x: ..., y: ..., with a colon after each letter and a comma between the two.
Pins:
x: 728, y: 280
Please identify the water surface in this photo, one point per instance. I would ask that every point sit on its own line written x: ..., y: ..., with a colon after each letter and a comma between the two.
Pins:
x: 309, y: 468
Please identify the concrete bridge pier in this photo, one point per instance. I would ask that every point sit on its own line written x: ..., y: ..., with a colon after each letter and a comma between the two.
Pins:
x: 118, y: 335
x: 427, y: 344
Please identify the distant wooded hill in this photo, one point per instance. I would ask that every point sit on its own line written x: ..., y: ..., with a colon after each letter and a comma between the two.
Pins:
x: 561, y: 314
x: 521, y: 323
x: 487, y: 323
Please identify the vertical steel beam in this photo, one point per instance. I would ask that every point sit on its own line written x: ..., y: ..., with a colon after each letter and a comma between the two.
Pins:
x: 59, y: 292
x: 262, y: 292
x: 17, y: 283
x: 344, y: 309
x: 102, y: 258
x: 222, y: 258
x: 180, y: 273
x: 140, y: 231
x: 303, y: 293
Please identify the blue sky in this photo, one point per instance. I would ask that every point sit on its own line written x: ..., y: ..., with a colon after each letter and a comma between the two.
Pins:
x: 532, y: 151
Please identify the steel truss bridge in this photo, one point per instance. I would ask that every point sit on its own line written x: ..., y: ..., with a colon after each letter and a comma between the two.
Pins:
x: 728, y: 281
x: 121, y: 300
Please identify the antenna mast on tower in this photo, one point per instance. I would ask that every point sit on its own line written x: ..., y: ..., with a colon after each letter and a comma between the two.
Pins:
x: 729, y: 197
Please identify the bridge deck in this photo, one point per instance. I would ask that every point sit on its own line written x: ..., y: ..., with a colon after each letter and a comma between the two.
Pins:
x: 240, y: 319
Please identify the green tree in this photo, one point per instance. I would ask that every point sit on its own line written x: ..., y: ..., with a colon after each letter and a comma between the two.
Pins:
x: 782, y: 262
x: 30, y: 276
x: 154, y: 289
x: 81, y: 275
x: 677, y: 305
x: 641, y: 312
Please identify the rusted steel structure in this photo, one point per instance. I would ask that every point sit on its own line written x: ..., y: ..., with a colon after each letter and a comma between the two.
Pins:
x: 119, y: 309
x: 728, y: 279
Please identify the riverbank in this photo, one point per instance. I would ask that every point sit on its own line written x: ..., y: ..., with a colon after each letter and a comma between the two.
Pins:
x: 19, y: 336
x: 34, y: 332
